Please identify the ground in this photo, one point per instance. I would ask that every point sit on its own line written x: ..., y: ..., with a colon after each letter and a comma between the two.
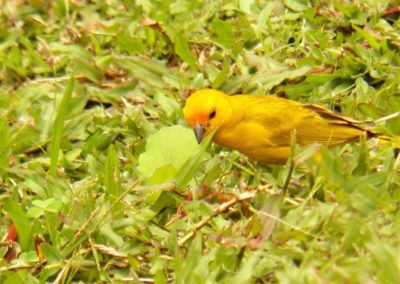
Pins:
x: 104, y: 182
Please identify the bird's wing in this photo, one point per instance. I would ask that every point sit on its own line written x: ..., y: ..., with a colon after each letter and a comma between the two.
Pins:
x: 275, y: 120
x: 335, y: 118
x: 312, y: 123
x: 330, y: 127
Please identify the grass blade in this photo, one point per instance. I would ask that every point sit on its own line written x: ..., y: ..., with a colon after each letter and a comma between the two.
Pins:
x: 112, y: 179
x: 59, y: 126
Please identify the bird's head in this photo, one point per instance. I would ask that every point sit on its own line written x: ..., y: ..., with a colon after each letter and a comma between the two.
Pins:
x: 206, y: 110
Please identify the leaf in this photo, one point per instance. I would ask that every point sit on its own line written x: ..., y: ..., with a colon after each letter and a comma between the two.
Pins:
x: 145, y: 75
x: 112, y: 180
x: 296, y: 5
x: 224, y: 31
x: 155, y: 66
x: 370, y: 38
x: 35, y: 212
x: 5, y: 144
x: 125, y: 42
x: 183, y: 50
x: 169, y: 146
x: 73, y: 51
x: 21, y: 221
x: 269, y: 214
x: 169, y: 105
x: 162, y: 174
x: 107, y: 231
x: 246, y: 6
x: 59, y: 125
x: 222, y: 75
x: 88, y: 70
x: 50, y: 205
x: 186, y: 272
x: 246, y: 271
x: 264, y: 18
x: 385, y: 260
x: 371, y: 110
x: 372, y: 179
x: 191, y: 166
x: 50, y: 253
x: 268, y: 80
x: 41, y: 206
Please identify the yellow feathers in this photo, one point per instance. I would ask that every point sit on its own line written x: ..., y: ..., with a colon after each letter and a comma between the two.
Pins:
x: 261, y: 126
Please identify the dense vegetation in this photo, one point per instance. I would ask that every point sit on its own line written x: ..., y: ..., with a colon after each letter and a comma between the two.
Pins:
x: 104, y: 182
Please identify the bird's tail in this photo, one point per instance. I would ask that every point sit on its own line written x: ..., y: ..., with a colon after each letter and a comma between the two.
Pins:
x: 394, y: 141
x: 340, y: 120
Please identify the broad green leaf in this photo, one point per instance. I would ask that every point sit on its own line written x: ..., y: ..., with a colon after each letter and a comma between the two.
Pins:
x: 162, y: 174
x: 189, y: 169
x: 169, y: 146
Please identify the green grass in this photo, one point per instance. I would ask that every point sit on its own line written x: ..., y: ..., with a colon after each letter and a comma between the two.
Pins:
x: 95, y: 159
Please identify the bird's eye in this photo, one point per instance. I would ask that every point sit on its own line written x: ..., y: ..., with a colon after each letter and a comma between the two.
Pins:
x: 212, y: 114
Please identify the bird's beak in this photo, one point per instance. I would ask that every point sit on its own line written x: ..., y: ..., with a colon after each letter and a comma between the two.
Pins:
x: 199, y: 131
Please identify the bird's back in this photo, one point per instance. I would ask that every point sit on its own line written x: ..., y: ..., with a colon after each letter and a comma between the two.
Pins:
x: 262, y: 127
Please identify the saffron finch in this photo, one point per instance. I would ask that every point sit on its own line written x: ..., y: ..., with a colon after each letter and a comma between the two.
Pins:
x: 261, y: 126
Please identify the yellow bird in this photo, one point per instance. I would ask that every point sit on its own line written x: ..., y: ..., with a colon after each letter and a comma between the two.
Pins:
x: 261, y: 126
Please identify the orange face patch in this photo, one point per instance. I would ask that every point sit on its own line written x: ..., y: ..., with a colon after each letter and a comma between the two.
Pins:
x: 199, y: 118
x: 195, y: 116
